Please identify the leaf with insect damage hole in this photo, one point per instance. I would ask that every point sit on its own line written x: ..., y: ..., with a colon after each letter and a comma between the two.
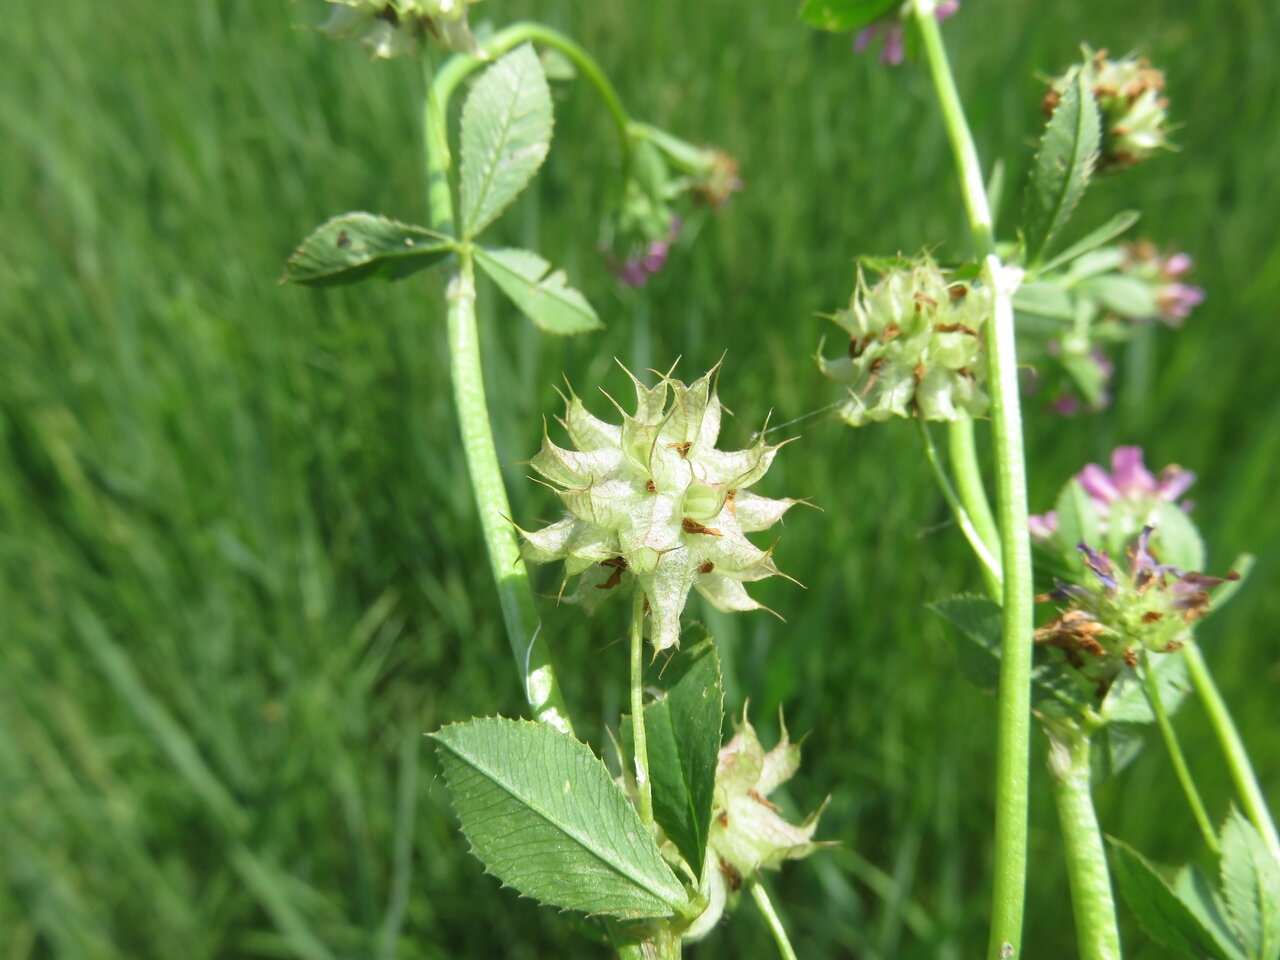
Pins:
x: 540, y: 291
x: 506, y: 133
x: 544, y: 816
x: 354, y: 246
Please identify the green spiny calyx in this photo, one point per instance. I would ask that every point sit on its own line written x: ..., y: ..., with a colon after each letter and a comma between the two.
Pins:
x: 653, y: 500
x: 915, y: 347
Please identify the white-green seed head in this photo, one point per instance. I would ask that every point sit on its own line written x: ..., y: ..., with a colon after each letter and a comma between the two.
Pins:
x: 654, y: 502
x: 915, y: 347
x: 1130, y: 96
x: 396, y: 28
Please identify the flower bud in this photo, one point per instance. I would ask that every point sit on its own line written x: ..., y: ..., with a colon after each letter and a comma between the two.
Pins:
x: 653, y: 501
x: 747, y: 832
x: 1163, y: 276
x: 914, y: 347
x: 1129, y: 93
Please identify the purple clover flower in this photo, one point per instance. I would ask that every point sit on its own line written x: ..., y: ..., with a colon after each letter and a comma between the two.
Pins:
x: 636, y: 270
x: 1129, y: 488
x: 892, y: 28
x: 1150, y: 606
x: 1174, y: 299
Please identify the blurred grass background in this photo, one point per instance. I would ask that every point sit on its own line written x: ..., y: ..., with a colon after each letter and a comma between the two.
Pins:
x: 239, y: 571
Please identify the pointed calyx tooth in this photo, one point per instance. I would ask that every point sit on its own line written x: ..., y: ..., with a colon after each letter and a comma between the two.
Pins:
x: 651, y: 501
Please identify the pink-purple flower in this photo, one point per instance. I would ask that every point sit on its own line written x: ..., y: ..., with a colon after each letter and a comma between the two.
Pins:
x: 1174, y: 299
x: 1128, y: 488
x: 636, y: 270
x: 892, y: 27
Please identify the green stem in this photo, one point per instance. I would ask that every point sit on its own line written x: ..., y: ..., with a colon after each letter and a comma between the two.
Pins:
x: 663, y: 945
x: 1092, y: 901
x: 761, y: 897
x: 1255, y: 804
x: 1152, y: 686
x: 963, y: 452
x: 515, y: 595
x: 641, y: 743
x: 459, y: 67
x: 1014, y: 707
x: 990, y: 565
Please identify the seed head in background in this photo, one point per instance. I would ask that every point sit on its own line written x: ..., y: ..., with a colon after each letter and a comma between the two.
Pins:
x: 915, y: 347
x: 396, y: 28
x: 1130, y: 96
x: 653, y: 501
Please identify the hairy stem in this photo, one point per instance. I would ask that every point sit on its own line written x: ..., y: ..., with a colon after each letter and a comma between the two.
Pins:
x: 1093, y: 903
x: 641, y: 742
x: 1152, y: 686
x: 515, y: 595
x: 761, y: 897
x: 663, y: 945
x: 1014, y: 708
x: 1251, y: 798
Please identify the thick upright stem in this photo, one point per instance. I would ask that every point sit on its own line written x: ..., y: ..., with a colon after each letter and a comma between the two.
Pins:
x: 1251, y: 798
x: 1014, y: 708
x: 1092, y: 901
x: 640, y: 740
x: 509, y: 574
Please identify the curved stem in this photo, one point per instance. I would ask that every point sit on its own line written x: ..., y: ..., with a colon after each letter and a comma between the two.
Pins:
x: 1152, y: 686
x: 963, y: 452
x: 1251, y: 798
x: 1092, y: 901
x: 990, y: 565
x: 761, y: 896
x: 460, y: 66
x: 1014, y: 708
x: 515, y: 595
x: 641, y: 742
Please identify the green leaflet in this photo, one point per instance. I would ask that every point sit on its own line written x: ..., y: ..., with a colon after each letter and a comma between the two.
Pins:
x: 544, y: 817
x: 506, y: 133
x: 838, y: 15
x: 540, y: 291
x: 684, y: 730
x: 1062, y: 169
x: 354, y: 246
x: 1160, y: 911
x: 1251, y: 887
